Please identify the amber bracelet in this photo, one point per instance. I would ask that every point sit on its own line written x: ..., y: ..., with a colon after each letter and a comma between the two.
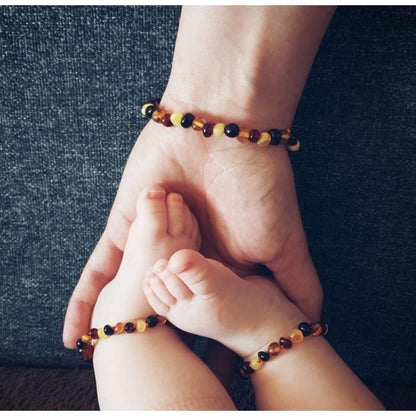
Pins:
x: 272, y: 137
x: 285, y: 343
x: 87, y: 342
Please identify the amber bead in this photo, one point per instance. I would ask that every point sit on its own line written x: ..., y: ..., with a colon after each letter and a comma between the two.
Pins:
x: 254, y: 136
x: 256, y: 363
x: 101, y: 333
x: 246, y: 371
x: 316, y: 329
x: 166, y: 120
x: 158, y: 115
x: 231, y: 130
x: 108, y: 330
x: 285, y: 343
x: 198, y: 124
x: 274, y: 348
x: 151, y: 321
x: 263, y: 355
x: 129, y: 327
x: 286, y: 133
x: 119, y: 328
x: 176, y: 118
x: 243, y: 136
x: 218, y: 129
x: 295, y: 147
x: 305, y: 328
x: 87, y: 353
x: 264, y: 139
x: 296, y: 336
x: 187, y: 120
x: 276, y: 136
x: 81, y: 344
x: 141, y: 326
x: 150, y: 110
x: 208, y: 129
x: 86, y: 338
x: 93, y: 332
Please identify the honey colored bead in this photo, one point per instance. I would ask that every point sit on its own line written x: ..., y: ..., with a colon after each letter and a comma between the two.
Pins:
x: 158, y: 115
x: 176, y: 118
x: 166, y: 120
x: 86, y: 338
x: 274, y: 348
x: 218, y: 129
x: 256, y: 363
x: 145, y: 107
x: 296, y: 336
x: 141, y: 326
x: 316, y: 329
x: 295, y: 147
x: 119, y: 328
x: 286, y: 133
x: 243, y: 136
x: 101, y: 333
x: 264, y: 139
x: 198, y: 124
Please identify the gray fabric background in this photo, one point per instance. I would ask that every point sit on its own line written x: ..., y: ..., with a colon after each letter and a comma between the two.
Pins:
x: 72, y: 83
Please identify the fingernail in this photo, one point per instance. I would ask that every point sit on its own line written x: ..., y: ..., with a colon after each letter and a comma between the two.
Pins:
x: 156, y: 194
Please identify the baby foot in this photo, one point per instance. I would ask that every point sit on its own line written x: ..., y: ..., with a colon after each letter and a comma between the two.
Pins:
x: 204, y: 297
x: 163, y: 225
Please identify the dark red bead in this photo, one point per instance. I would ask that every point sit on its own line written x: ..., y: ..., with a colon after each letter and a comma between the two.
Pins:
x: 276, y: 136
x: 93, y: 333
x: 208, y: 129
x: 81, y: 344
x: 87, y: 353
x: 305, y: 328
x: 231, y: 130
x: 152, y: 321
x: 108, y: 330
x: 187, y: 120
x: 285, y: 343
x: 166, y: 120
x: 254, y: 136
x: 263, y: 355
x: 129, y: 327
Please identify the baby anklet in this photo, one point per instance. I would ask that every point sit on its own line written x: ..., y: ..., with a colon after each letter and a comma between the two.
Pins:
x: 285, y: 343
x: 273, y: 137
x: 87, y: 342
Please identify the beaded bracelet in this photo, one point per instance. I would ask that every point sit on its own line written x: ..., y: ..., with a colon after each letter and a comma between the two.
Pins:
x: 285, y: 343
x: 87, y: 342
x: 273, y: 137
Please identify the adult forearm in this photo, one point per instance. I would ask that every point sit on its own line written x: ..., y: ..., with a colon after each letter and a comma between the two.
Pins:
x: 247, y: 62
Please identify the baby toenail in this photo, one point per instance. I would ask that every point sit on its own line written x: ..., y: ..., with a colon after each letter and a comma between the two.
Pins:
x: 160, y: 267
x: 177, y: 198
x: 156, y: 194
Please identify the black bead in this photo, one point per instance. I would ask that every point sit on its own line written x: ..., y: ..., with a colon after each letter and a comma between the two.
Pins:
x: 81, y: 344
x: 263, y: 355
x: 187, y: 120
x: 231, y: 130
x: 305, y: 328
x: 276, y: 136
x: 150, y: 110
x: 108, y: 330
x: 129, y: 327
x: 246, y: 371
x: 292, y: 141
x: 285, y: 343
x: 151, y: 321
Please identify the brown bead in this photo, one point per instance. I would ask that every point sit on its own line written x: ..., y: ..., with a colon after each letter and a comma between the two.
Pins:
x: 208, y: 129
x: 254, y: 136
x: 243, y: 136
x: 286, y: 133
x: 166, y: 120
x: 158, y: 116
x: 316, y: 329
x: 93, y: 332
x: 87, y: 353
x: 296, y: 336
x: 274, y: 348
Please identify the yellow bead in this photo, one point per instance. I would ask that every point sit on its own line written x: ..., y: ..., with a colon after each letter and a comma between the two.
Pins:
x: 144, y: 108
x: 296, y: 336
x: 176, y: 118
x: 86, y: 338
x: 141, y: 325
x: 218, y: 129
x: 264, y: 139
x: 198, y: 123
x: 295, y: 147
x: 243, y: 136
x: 256, y: 363
x: 101, y: 333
